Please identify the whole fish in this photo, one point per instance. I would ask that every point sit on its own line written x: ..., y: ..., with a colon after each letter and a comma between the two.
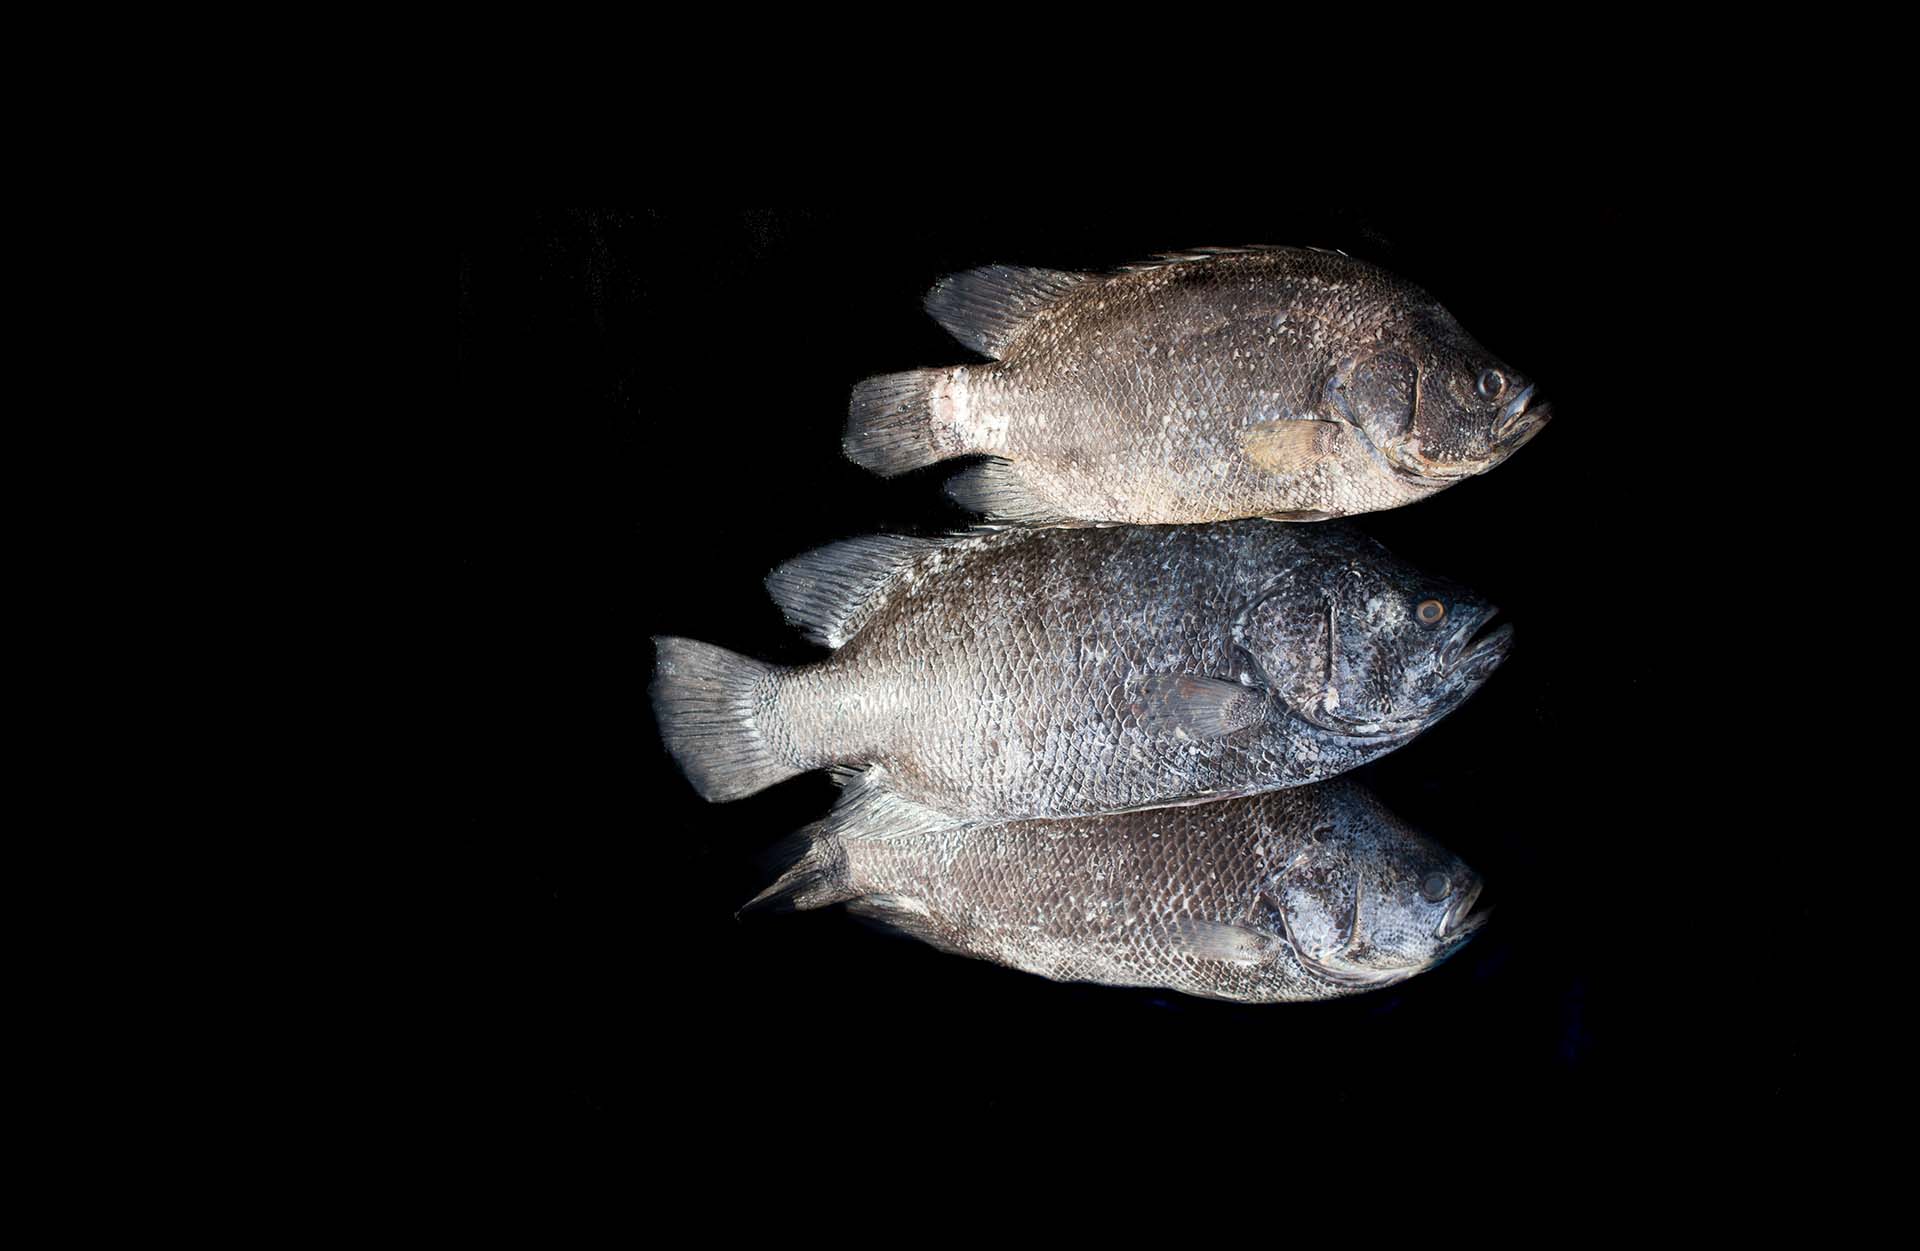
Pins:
x: 1062, y: 672
x: 1302, y: 894
x: 1287, y: 383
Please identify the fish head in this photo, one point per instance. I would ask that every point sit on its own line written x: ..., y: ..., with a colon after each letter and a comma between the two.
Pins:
x: 1433, y: 403
x: 1371, y: 648
x: 1369, y: 901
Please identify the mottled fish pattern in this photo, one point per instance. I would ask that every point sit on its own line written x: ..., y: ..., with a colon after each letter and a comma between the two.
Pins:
x: 1061, y: 672
x: 1288, y: 383
x: 1302, y: 894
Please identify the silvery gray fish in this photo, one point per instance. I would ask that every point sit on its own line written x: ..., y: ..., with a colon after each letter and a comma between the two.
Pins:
x: 1064, y: 672
x: 1302, y: 894
x: 1287, y: 383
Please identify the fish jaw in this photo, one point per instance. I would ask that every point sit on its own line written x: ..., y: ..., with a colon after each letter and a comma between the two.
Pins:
x: 1519, y: 420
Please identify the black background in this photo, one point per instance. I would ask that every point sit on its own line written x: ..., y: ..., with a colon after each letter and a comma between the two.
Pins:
x: 648, y: 420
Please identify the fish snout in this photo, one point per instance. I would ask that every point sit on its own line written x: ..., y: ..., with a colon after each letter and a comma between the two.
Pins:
x: 1457, y: 917
x: 1478, y: 646
x: 1520, y: 418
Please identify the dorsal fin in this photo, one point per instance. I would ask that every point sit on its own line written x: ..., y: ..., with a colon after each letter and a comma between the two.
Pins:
x: 986, y: 308
x: 1200, y: 254
x: 830, y: 593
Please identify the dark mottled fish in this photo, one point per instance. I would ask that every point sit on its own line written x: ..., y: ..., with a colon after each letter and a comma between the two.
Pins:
x: 1061, y: 672
x: 1301, y: 894
x: 1257, y: 382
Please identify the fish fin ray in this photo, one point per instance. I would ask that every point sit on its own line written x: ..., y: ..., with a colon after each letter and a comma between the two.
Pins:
x: 890, y: 423
x: 868, y: 808
x: 987, y: 308
x: 1289, y: 447
x: 996, y: 489
x: 708, y: 702
x: 813, y: 873
x: 1217, y: 940
x: 1198, y: 708
x: 830, y: 593
x: 1165, y: 259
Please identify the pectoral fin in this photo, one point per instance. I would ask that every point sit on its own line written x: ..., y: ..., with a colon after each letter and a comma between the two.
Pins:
x: 1217, y: 940
x: 1198, y: 708
x: 1290, y: 447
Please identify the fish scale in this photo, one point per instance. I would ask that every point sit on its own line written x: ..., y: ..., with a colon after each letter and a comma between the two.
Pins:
x: 1276, y: 382
x: 1215, y: 900
x: 1058, y: 672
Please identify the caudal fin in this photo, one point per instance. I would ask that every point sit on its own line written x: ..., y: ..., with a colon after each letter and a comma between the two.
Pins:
x: 708, y: 703
x: 814, y: 873
x: 890, y: 422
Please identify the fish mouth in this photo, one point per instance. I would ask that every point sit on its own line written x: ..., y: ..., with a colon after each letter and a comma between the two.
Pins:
x: 1405, y: 459
x: 1467, y: 659
x: 1457, y: 921
x: 1519, y: 420
x: 1460, y: 925
x: 1514, y: 426
x: 1477, y: 648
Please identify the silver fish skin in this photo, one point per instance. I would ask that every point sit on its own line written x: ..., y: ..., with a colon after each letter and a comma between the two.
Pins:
x: 1288, y: 383
x: 1310, y: 893
x: 1063, y: 672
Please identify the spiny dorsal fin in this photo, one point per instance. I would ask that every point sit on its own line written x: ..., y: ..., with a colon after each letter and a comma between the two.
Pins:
x: 987, y: 308
x: 830, y: 593
x: 1200, y: 254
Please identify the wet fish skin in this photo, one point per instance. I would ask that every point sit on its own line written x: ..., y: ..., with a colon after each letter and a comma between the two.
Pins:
x: 1061, y: 672
x: 1310, y: 893
x: 1266, y: 382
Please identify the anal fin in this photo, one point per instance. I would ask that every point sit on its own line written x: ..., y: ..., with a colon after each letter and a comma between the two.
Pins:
x: 996, y: 489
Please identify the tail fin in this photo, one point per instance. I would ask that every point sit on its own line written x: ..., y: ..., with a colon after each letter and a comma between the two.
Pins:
x: 707, y: 701
x: 815, y: 873
x: 890, y: 423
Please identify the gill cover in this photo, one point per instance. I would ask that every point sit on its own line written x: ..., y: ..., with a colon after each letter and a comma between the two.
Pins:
x: 1378, y: 394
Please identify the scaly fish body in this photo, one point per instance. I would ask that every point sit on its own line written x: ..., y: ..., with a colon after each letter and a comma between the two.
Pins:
x: 1043, y: 673
x: 1302, y: 894
x: 1273, y: 382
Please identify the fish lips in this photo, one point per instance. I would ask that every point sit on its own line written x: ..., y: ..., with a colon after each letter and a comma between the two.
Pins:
x: 1476, y: 647
x: 1519, y: 420
x: 1458, y: 919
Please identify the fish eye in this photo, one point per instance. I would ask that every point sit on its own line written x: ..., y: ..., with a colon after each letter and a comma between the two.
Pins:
x: 1436, y: 887
x: 1492, y: 383
x: 1430, y: 611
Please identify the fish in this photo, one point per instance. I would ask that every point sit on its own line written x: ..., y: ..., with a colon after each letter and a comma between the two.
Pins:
x: 1074, y: 671
x: 1290, y: 383
x: 1311, y: 893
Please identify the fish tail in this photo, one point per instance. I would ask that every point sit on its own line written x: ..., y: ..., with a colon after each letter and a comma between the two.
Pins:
x: 898, y: 422
x: 814, y: 873
x: 711, y: 704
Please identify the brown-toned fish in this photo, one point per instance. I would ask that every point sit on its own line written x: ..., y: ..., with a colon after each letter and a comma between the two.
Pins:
x: 1310, y: 893
x: 1287, y: 383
